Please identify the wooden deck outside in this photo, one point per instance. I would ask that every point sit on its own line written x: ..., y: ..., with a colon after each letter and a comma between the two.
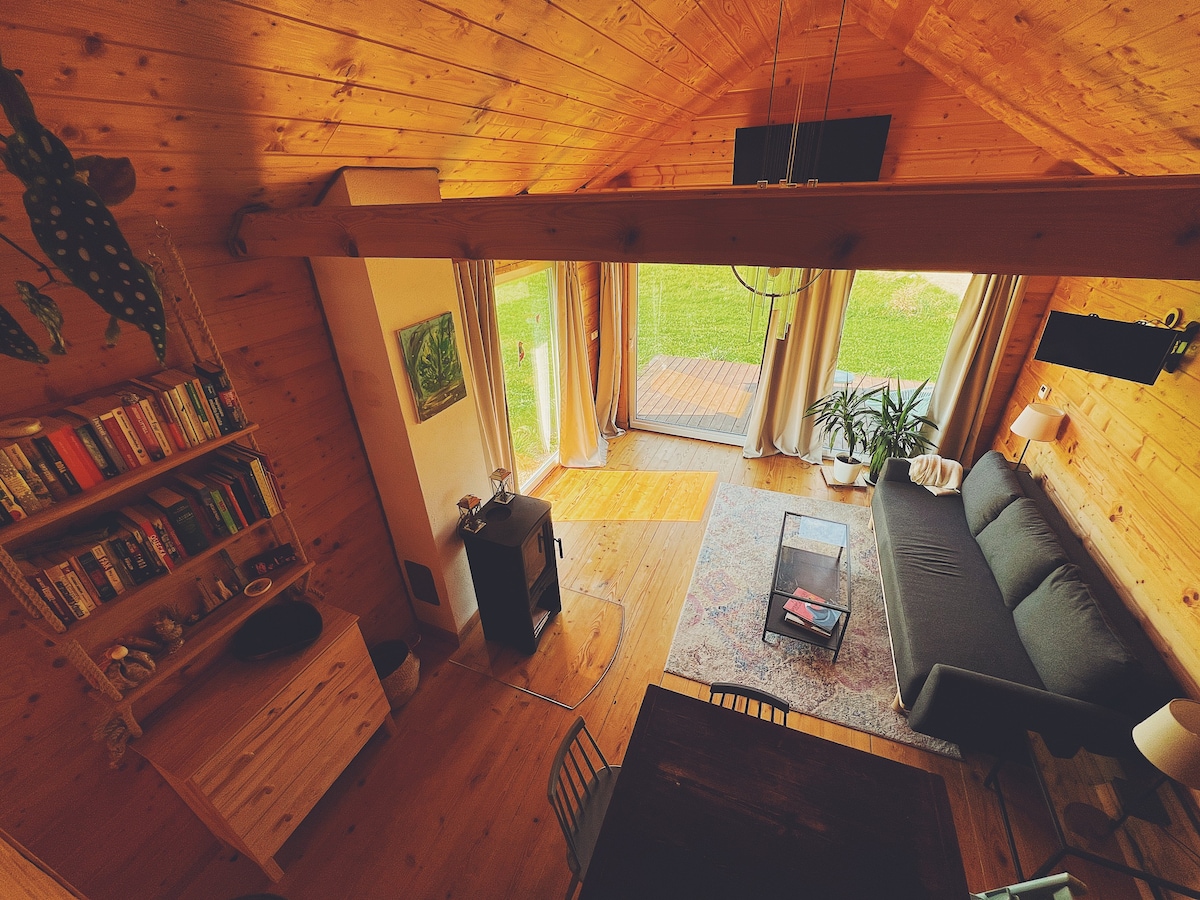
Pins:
x: 706, y: 394
x: 715, y: 395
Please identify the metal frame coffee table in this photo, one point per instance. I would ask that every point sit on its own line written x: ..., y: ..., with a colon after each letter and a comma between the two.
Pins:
x: 813, y: 557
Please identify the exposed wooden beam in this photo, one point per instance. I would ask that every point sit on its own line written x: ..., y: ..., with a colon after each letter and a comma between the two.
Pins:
x: 1146, y: 227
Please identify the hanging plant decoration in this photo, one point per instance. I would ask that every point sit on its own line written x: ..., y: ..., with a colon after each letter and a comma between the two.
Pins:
x: 46, y: 311
x: 16, y: 343
x: 71, y: 222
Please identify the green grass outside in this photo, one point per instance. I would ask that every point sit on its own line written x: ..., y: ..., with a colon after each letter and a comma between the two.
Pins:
x: 523, y: 315
x: 897, y: 323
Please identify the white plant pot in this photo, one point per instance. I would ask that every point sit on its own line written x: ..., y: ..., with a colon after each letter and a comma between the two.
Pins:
x: 845, y: 472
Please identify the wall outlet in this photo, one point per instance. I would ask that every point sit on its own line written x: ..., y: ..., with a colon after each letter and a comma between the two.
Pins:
x: 1043, y: 392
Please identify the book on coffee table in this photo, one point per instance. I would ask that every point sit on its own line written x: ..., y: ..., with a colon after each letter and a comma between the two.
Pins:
x: 818, y: 619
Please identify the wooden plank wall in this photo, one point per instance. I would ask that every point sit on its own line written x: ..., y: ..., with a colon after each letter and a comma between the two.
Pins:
x: 935, y: 134
x: 1126, y: 466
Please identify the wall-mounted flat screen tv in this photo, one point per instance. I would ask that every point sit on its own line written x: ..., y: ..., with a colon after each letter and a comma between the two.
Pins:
x: 831, y: 151
x: 1121, y: 349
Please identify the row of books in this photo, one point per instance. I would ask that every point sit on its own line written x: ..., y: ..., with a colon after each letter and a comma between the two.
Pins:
x: 140, y: 541
x: 138, y: 423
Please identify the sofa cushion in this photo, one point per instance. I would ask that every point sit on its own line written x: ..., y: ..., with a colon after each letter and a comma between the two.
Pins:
x: 989, y: 487
x: 1070, y: 644
x: 1021, y: 549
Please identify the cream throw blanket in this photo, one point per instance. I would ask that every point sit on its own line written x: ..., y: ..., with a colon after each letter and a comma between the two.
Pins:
x: 937, y: 475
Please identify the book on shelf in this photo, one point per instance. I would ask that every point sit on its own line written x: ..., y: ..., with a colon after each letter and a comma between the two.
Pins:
x: 163, y: 413
x: 219, y: 389
x: 131, y: 403
x: 147, y: 537
x: 177, y: 404
x: 165, y: 531
x: 191, y: 392
x: 17, y: 487
x: 10, y: 509
x: 91, y: 442
x: 229, y: 517
x: 92, y: 575
x: 246, y: 485
x: 71, y: 591
x: 236, y: 497
x: 44, y: 588
x: 154, y: 416
x: 128, y: 551
x: 31, y: 473
x: 124, y: 425
x: 206, y: 507
x: 182, y: 516
x: 49, y: 477
x: 257, y: 464
x: 95, y: 411
x: 105, y: 561
x: 69, y: 448
x: 47, y: 452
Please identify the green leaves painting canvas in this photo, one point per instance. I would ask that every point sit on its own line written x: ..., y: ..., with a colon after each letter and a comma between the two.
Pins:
x: 434, y: 369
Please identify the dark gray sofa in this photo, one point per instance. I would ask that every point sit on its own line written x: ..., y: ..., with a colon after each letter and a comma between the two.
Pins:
x: 1001, y: 623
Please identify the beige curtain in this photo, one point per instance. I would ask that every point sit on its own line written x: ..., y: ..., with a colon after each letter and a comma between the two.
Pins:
x: 477, y: 303
x: 614, y: 290
x: 798, y: 369
x: 580, y: 443
x: 964, y: 383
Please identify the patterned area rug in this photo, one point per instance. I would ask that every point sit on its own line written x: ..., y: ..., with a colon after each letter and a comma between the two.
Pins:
x: 719, y: 635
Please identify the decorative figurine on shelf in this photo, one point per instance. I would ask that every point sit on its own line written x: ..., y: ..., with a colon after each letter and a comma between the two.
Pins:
x: 502, y: 490
x: 468, y: 514
x: 115, y: 734
x: 169, y: 627
x: 127, y: 668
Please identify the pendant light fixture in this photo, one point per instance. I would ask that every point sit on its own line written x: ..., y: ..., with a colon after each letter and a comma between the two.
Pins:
x: 768, y: 284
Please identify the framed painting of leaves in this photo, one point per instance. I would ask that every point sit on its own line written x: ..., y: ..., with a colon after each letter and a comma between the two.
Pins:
x: 431, y: 359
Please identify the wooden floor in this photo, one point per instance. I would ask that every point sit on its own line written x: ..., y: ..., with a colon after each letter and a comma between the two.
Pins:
x: 705, y: 394
x: 454, y: 804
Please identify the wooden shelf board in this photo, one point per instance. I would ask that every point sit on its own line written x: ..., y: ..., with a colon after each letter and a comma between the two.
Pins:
x: 217, y: 625
x: 105, y: 624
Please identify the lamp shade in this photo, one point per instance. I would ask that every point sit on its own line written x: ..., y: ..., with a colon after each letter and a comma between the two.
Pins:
x: 1170, y: 739
x: 1038, y: 422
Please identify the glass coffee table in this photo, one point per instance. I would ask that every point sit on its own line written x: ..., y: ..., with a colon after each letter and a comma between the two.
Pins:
x: 810, y: 590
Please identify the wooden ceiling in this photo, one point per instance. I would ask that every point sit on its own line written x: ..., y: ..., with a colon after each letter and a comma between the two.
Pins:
x: 224, y: 103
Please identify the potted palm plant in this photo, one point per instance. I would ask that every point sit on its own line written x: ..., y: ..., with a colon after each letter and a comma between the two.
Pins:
x: 894, y: 428
x: 845, y: 412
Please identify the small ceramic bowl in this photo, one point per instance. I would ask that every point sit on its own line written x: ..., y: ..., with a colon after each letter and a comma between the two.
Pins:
x: 257, y: 587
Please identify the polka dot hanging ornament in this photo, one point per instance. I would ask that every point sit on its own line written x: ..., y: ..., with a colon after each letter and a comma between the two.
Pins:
x: 73, y: 225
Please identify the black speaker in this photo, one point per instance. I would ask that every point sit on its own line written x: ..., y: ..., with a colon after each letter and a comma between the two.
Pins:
x: 831, y: 151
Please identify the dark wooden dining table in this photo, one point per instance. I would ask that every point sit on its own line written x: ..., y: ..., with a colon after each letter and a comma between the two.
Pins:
x: 715, y: 803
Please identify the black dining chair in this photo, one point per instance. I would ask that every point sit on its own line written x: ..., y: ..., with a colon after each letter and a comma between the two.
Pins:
x: 581, y: 784
x: 750, y: 701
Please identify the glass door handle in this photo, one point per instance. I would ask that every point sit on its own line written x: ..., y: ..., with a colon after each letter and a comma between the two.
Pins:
x: 560, y: 550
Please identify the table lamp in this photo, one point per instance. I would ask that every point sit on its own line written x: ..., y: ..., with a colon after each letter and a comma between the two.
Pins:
x: 1170, y: 741
x: 1037, y: 422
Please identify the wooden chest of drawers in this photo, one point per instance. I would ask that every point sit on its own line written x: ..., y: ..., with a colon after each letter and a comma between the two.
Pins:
x: 254, y: 745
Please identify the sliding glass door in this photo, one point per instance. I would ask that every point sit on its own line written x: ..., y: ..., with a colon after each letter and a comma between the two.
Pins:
x: 698, y: 351
x: 524, y: 309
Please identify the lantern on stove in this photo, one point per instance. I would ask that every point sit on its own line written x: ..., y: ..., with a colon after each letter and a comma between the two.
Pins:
x: 502, y: 489
x: 468, y: 513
